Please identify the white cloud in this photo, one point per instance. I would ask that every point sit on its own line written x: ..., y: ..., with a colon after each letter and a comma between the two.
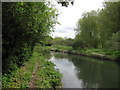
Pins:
x: 70, y: 15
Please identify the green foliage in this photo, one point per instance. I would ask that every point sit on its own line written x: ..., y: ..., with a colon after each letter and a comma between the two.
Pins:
x: 49, y: 41
x: 62, y: 47
x: 107, y: 53
x: 62, y: 41
x: 68, y: 41
x: 108, y: 21
x: 20, y: 77
x: 98, y: 29
x: 24, y: 24
x: 46, y: 75
x: 50, y: 77
x: 114, y: 42
x: 58, y: 41
x: 101, y: 52
x: 87, y: 30
x: 78, y: 42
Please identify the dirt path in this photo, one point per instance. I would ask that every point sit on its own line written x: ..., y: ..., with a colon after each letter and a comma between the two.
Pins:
x: 33, y: 78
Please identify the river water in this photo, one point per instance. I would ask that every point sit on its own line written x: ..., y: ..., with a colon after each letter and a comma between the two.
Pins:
x: 85, y: 72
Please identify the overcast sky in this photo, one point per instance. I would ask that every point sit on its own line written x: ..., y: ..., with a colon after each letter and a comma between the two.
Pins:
x: 69, y: 16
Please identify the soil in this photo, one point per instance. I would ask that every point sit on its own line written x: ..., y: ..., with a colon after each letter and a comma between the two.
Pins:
x: 33, y: 77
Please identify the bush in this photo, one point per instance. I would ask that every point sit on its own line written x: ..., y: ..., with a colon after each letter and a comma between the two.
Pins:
x: 114, y: 42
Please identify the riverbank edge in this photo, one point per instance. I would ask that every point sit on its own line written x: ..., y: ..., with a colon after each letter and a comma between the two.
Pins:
x: 23, y: 75
x: 102, y: 57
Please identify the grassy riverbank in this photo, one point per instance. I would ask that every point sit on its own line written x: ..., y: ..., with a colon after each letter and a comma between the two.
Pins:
x: 92, y: 52
x: 37, y: 72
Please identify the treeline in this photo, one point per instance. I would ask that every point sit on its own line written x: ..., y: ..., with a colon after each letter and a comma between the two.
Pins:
x: 99, y: 29
x: 62, y: 41
x: 24, y: 24
x: 96, y: 31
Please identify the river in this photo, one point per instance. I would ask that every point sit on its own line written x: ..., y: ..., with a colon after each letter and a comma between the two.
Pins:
x: 85, y: 72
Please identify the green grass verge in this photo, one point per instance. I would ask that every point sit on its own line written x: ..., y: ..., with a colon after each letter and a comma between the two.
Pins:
x: 62, y: 47
x: 112, y: 54
x: 20, y: 78
x: 104, y: 52
x: 46, y: 75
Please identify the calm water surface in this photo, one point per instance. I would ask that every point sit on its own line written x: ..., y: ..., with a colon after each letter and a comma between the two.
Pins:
x: 85, y: 72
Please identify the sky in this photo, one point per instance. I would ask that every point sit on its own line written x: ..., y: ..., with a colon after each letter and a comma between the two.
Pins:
x: 69, y: 16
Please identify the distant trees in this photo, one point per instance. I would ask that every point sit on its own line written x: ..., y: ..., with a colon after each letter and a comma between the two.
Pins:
x: 87, y: 29
x: 78, y: 42
x: 68, y: 41
x: 58, y: 41
x: 108, y: 21
x: 62, y: 41
x: 114, y: 42
x: 98, y: 28
x: 24, y: 24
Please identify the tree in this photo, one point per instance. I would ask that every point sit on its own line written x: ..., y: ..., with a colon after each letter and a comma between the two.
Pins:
x: 58, y: 41
x: 78, y: 42
x: 108, y: 21
x: 68, y: 41
x: 87, y: 29
x: 95, y: 28
x: 114, y: 42
x: 24, y: 24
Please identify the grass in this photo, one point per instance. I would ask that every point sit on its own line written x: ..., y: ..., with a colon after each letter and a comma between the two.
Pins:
x: 20, y: 78
x: 62, y: 47
x: 46, y: 75
x: 112, y: 54
x: 103, y: 52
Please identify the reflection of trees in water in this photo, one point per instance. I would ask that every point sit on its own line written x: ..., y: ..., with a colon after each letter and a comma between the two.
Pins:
x: 96, y: 74
x: 86, y: 71
x: 92, y: 72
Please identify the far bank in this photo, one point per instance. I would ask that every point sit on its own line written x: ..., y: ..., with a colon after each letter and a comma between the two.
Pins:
x: 102, y: 54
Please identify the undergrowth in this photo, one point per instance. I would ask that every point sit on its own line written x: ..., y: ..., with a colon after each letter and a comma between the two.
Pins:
x: 20, y: 78
x: 113, y: 54
x: 46, y: 75
x: 62, y: 47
